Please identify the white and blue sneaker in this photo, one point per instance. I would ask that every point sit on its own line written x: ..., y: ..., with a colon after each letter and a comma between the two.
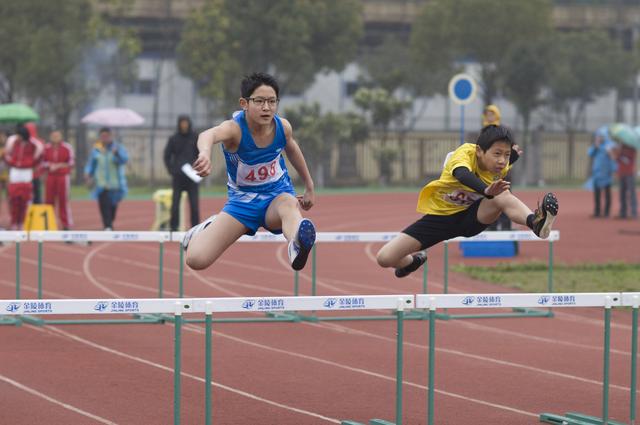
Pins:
x: 196, y: 229
x: 301, y: 244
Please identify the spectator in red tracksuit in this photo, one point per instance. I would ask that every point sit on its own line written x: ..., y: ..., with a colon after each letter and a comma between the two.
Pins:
x: 58, y: 160
x: 23, y: 153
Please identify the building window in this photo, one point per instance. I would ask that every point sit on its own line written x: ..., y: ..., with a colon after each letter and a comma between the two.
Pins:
x: 350, y: 88
x: 141, y: 87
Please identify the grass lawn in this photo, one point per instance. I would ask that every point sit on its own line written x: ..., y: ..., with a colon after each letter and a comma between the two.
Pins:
x: 532, y: 277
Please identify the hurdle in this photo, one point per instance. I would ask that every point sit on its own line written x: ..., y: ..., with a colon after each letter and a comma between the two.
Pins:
x: 605, y: 300
x: 321, y: 238
x: 179, y: 306
x: 97, y: 236
x: 632, y: 299
x: 503, y: 236
x: 17, y: 238
x: 265, y: 237
x: 368, y: 237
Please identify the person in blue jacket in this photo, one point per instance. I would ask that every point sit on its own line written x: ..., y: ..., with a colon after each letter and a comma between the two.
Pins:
x: 603, y: 167
x: 105, y: 172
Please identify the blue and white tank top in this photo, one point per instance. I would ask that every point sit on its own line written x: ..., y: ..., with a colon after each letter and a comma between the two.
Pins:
x: 254, y: 169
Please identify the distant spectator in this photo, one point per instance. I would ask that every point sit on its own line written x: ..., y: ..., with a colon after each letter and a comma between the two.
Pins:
x: 39, y: 170
x: 23, y: 153
x: 603, y: 166
x: 490, y: 115
x: 105, y: 172
x: 626, y: 159
x: 4, y: 174
x: 59, y: 161
x: 182, y: 149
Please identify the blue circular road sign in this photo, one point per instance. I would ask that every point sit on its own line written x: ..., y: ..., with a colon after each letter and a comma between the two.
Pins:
x: 462, y: 89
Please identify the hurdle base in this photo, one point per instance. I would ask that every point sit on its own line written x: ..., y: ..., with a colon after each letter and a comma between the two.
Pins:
x: 269, y: 318
x: 516, y: 312
x: 6, y: 320
x: 138, y: 319
x: 409, y: 315
x: 572, y: 418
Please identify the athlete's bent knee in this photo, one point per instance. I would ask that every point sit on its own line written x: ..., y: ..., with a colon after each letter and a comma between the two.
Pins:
x: 383, y: 259
x: 197, y: 262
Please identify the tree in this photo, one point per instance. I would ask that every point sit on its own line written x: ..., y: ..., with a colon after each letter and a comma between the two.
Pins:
x: 353, y: 130
x: 43, y: 56
x: 480, y: 31
x: 394, y: 67
x: 525, y: 75
x: 14, y: 43
x: 585, y: 65
x: 383, y: 108
x: 318, y: 135
x: 227, y: 39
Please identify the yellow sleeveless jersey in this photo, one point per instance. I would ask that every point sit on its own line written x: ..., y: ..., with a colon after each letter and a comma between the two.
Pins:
x: 447, y: 196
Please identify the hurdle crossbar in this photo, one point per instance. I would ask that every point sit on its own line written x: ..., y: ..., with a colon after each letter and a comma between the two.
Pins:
x: 605, y: 300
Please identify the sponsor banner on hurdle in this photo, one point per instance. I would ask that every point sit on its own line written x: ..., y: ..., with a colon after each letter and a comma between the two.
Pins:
x: 322, y: 237
x: 95, y: 306
x: 13, y: 236
x: 631, y: 299
x: 599, y: 299
x: 356, y: 236
x: 316, y: 303
x: 508, y: 235
x: 99, y: 236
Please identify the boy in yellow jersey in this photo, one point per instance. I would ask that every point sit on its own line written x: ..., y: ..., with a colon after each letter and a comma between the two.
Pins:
x: 470, y: 194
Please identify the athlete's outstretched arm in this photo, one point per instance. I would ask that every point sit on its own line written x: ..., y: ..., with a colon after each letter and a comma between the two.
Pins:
x: 227, y: 130
x: 297, y: 160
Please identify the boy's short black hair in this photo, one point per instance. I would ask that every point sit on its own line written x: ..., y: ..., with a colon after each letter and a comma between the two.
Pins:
x: 494, y: 133
x: 251, y: 82
x: 104, y: 130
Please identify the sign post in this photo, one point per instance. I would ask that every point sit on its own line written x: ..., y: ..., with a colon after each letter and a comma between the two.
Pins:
x: 462, y: 91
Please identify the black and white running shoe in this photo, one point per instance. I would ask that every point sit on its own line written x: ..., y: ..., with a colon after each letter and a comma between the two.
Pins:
x: 545, y: 214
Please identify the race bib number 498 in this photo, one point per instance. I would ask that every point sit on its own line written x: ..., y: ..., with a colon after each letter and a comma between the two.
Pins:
x: 462, y: 197
x: 259, y: 174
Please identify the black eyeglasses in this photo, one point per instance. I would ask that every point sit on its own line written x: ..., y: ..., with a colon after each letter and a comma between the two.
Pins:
x: 260, y: 101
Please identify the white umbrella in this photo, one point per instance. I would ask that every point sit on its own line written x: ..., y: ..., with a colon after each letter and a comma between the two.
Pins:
x: 113, y: 117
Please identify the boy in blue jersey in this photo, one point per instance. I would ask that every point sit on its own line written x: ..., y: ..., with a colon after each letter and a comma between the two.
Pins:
x: 260, y: 193
x: 470, y: 194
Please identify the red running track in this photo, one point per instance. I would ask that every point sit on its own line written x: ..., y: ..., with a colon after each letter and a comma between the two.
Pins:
x: 498, y: 371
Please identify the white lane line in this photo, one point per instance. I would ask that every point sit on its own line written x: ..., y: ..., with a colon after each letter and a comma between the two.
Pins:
x: 59, y: 332
x: 477, y: 357
x: 86, y: 268
x: 25, y: 260
x: 67, y: 406
x: 549, y: 341
x: 444, y: 350
x: 371, y: 373
x: 28, y: 288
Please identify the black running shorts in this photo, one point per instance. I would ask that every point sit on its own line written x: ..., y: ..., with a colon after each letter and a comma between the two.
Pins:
x: 431, y: 229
